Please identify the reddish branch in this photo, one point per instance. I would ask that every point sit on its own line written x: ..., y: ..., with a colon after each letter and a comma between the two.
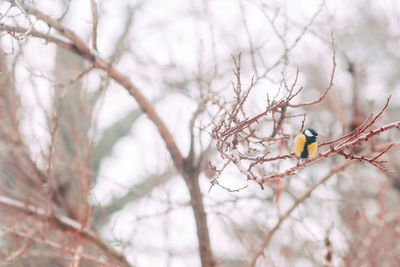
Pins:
x: 334, y: 150
x: 233, y: 130
x: 247, y: 123
x: 224, y: 130
x: 349, y: 135
x: 360, y: 129
x: 372, y: 161
x: 286, y: 156
x: 230, y: 138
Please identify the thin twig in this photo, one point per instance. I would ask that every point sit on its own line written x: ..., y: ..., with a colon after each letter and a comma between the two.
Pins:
x: 95, y: 22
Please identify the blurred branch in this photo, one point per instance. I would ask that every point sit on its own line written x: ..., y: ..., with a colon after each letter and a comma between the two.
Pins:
x: 251, y: 45
x: 111, y: 136
x: 78, y: 46
x: 119, y: 46
x: 200, y: 108
x: 330, y: 81
x: 66, y: 224
x: 12, y: 30
x: 18, y: 252
x: 136, y: 192
x: 49, y: 243
x: 295, y: 42
x: 94, y: 22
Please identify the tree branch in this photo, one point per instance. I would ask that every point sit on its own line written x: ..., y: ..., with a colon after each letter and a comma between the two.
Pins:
x: 332, y: 150
x: 64, y: 223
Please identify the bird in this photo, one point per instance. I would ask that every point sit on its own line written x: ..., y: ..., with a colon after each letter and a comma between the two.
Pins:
x: 305, y: 143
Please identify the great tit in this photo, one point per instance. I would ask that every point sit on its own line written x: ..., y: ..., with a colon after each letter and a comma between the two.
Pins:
x: 305, y: 144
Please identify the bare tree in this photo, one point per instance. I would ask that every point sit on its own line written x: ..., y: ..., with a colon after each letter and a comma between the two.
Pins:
x: 246, y: 106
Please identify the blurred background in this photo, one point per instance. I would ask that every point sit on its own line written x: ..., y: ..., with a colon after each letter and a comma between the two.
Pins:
x: 74, y: 142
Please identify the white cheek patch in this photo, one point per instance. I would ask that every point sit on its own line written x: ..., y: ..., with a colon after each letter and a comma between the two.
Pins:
x: 308, y: 133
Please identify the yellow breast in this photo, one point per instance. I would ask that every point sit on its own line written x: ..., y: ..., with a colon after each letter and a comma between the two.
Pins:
x: 312, y: 148
x: 299, y: 142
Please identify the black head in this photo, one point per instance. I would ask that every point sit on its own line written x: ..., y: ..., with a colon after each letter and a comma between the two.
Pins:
x: 310, y: 132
